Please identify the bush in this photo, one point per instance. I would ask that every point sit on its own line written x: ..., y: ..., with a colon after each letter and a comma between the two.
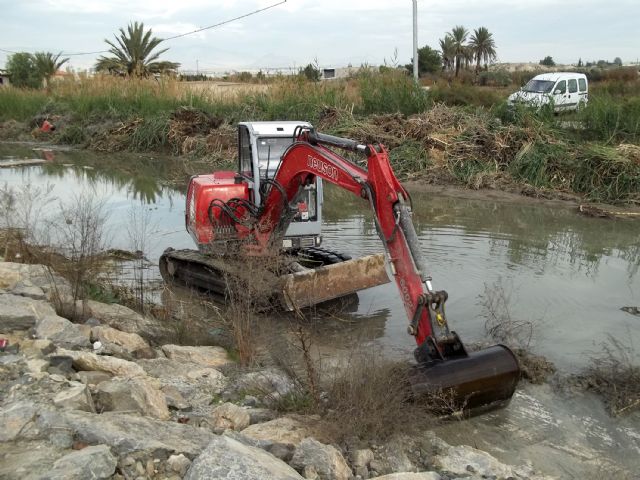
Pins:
x: 464, y: 95
x: 495, y: 78
x: 393, y: 91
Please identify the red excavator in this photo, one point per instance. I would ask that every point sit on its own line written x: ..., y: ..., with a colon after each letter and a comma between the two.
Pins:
x: 232, y: 231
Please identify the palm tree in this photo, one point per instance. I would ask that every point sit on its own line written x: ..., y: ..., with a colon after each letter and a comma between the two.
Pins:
x: 48, y: 64
x: 133, y: 53
x: 459, y: 36
x: 483, y: 46
x: 448, y: 52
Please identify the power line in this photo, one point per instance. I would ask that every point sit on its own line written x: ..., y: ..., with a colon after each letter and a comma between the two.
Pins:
x: 254, y: 12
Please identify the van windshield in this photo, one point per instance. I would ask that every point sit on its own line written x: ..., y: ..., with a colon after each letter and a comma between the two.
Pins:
x: 539, y: 86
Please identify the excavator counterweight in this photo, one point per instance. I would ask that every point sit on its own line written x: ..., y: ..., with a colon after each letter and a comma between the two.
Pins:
x: 227, y: 225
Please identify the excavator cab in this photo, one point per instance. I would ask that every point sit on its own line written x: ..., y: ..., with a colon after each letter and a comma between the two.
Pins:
x: 261, y: 146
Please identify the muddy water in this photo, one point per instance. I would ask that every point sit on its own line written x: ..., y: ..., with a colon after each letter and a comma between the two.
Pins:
x: 568, y: 275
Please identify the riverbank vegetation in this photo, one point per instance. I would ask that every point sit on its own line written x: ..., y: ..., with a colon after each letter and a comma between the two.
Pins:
x: 453, y: 132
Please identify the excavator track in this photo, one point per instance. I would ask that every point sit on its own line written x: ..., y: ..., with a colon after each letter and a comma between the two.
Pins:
x: 278, y: 285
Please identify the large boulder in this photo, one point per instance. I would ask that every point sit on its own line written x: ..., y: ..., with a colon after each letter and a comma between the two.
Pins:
x: 226, y: 458
x: 103, y: 363
x: 122, y: 344
x: 96, y: 462
x: 269, y: 384
x: 77, y: 397
x: 289, y: 430
x: 62, y: 332
x: 212, y: 357
x: 22, y: 313
x: 460, y: 460
x: 228, y: 416
x: 327, y: 461
x: 124, y: 319
x: 19, y: 278
x: 14, y: 418
x: 196, y: 384
x: 131, y: 394
x: 410, y: 476
x: 126, y: 433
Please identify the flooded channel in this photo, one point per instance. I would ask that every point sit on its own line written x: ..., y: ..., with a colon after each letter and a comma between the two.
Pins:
x: 568, y: 275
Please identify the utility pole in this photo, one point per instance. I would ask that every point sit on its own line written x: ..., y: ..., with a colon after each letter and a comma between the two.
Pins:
x: 415, y: 40
x: 197, y: 68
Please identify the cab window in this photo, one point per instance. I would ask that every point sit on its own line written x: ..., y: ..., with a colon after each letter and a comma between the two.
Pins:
x: 244, y: 140
x: 573, y: 85
x: 561, y: 87
x: 582, y: 83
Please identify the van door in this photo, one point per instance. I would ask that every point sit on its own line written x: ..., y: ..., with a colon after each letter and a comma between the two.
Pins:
x: 559, y: 95
x: 583, y: 92
x: 573, y: 96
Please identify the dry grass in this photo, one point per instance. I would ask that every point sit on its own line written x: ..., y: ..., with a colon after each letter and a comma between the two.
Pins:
x: 614, y: 373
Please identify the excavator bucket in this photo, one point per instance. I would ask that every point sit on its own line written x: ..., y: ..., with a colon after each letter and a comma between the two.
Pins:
x: 473, y: 383
x: 313, y: 286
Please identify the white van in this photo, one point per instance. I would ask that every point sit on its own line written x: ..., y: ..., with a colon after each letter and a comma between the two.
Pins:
x: 567, y: 91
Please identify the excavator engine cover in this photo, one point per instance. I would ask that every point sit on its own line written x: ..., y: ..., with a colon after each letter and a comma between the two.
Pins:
x: 481, y: 381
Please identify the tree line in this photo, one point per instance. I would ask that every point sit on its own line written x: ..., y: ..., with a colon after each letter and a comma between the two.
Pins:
x: 459, y: 49
x: 133, y: 53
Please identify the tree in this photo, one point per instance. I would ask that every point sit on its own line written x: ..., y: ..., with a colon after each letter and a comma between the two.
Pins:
x: 580, y: 64
x: 48, y: 64
x: 311, y: 72
x: 429, y: 61
x: 617, y: 61
x: 548, y: 61
x: 483, y: 46
x: 447, y: 49
x: 459, y: 37
x: 133, y: 54
x: 23, y: 71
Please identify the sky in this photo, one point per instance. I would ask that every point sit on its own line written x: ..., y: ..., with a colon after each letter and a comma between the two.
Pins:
x: 331, y: 33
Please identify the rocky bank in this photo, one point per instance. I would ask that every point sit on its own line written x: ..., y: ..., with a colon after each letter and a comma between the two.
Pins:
x: 106, y: 398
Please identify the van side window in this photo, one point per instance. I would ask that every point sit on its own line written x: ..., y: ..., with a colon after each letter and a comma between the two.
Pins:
x: 561, y: 86
x: 582, y: 83
x: 573, y: 85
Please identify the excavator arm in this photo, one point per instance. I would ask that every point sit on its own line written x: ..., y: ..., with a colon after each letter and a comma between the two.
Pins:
x: 478, y: 380
x: 481, y: 379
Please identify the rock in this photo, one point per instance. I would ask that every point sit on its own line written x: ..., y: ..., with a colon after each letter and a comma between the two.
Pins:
x: 310, y: 473
x: 393, y: 458
x: 327, y: 460
x: 260, y: 415
x: 77, y: 397
x: 225, y: 458
x: 126, y: 320
x: 93, y: 378
x: 16, y: 276
x: 178, y: 464
x: 289, y: 430
x: 21, y: 313
x: 94, y: 462
x: 115, y: 366
x: 174, y: 398
x: 36, y: 348
x: 197, y: 384
x: 60, y: 364
x: 131, y: 394
x: 61, y: 332
x: 37, y: 365
x: 228, y: 416
x: 25, y: 289
x: 460, y: 460
x: 205, y: 356
x: 14, y: 418
x: 126, y: 433
x: 410, y: 476
x: 269, y: 384
x: 361, y: 458
x: 122, y: 344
